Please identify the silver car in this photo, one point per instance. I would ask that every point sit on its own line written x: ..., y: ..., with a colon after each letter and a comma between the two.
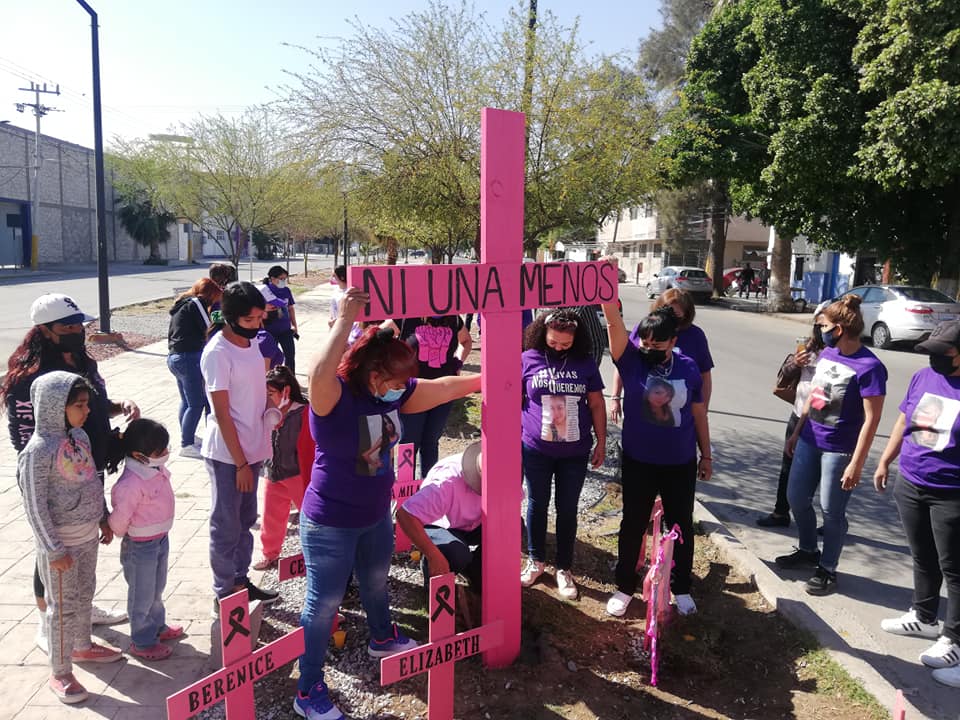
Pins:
x: 694, y: 280
x: 901, y: 313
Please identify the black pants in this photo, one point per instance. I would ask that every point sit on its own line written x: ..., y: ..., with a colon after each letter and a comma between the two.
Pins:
x: 288, y: 345
x: 931, y: 520
x: 783, y: 505
x: 642, y: 482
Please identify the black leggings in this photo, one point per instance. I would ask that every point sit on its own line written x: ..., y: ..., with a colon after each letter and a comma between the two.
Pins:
x: 38, y: 589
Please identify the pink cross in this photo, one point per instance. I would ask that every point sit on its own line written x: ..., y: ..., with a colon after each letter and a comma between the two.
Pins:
x: 404, y: 488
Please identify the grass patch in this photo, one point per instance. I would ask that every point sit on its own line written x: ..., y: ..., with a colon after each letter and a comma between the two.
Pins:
x: 833, y: 680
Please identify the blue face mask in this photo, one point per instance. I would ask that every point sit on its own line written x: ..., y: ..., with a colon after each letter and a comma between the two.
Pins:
x: 830, y: 338
x: 391, y: 395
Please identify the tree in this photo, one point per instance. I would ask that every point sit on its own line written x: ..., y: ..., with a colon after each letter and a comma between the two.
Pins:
x: 664, y: 51
x: 146, y: 224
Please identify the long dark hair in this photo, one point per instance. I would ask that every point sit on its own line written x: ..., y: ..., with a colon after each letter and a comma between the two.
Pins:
x: 377, y: 351
x: 659, y: 326
x: 282, y: 377
x: 535, y: 336
x: 142, y: 435
x: 37, y: 354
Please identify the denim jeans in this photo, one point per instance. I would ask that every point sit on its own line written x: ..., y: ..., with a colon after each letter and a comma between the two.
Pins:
x: 810, y: 467
x: 424, y: 431
x: 287, y: 343
x: 232, y: 515
x: 455, y: 546
x: 782, y: 506
x: 329, y: 554
x: 193, y: 399
x: 540, y: 470
x: 145, y: 570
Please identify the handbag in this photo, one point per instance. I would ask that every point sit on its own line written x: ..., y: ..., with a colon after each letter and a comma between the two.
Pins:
x: 788, y: 378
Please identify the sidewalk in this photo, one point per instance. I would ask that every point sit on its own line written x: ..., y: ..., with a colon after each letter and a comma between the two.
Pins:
x: 129, y: 689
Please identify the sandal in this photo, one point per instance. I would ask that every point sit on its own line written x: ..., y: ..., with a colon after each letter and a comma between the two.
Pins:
x: 265, y: 563
x: 171, y: 632
x: 154, y: 652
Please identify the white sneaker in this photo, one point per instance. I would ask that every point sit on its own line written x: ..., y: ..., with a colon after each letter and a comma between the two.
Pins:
x: 191, y: 451
x: 617, y: 604
x: 948, y: 676
x: 908, y: 624
x: 100, y: 616
x: 944, y: 653
x: 566, y: 585
x: 685, y: 604
x: 41, y: 637
x: 531, y: 572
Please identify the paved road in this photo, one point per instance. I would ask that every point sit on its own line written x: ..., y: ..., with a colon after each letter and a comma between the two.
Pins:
x: 747, y: 425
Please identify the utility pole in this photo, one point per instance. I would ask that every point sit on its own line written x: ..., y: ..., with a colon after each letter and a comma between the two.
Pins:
x: 38, y: 111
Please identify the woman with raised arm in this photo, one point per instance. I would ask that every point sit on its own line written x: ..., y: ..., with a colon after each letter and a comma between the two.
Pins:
x: 356, y: 397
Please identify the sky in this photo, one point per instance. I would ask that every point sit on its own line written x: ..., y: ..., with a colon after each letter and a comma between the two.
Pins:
x: 163, y: 62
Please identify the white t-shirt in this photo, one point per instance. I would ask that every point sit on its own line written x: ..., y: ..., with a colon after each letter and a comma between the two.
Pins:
x: 239, y: 371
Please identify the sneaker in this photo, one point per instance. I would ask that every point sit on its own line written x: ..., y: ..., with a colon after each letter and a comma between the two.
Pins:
x: 265, y: 596
x: 265, y: 563
x: 392, y: 645
x: 41, y: 637
x: 101, y: 616
x: 191, y: 451
x: 316, y: 705
x: 171, y: 632
x: 823, y: 582
x: 909, y: 624
x: 948, y: 676
x: 566, y: 585
x: 774, y: 520
x: 67, y: 689
x: 617, y: 604
x: 944, y: 653
x: 96, y: 654
x: 531, y: 572
x: 798, y: 559
x: 685, y: 604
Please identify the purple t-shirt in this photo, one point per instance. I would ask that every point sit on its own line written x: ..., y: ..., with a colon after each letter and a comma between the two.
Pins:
x: 839, y: 385
x: 270, y: 349
x: 353, y: 472
x: 282, y: 299
x: 658, y: 423
x: 930, y: 454
x: 691, y: 341
x: 556, y: 417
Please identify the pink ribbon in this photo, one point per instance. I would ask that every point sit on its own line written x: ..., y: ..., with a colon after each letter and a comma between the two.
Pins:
x: 656, y: 591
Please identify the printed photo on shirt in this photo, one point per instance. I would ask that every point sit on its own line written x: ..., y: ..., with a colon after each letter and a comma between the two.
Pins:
x: 662, y: 401
x: 560, y: 418
x: 827, y: 391
x: 932, y: 422
x: 378, y: 435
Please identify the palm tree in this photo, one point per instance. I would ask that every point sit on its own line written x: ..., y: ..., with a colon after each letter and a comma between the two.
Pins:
x: 145, y: 223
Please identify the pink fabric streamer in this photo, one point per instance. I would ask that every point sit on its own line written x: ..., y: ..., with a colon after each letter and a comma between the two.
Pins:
x: 656, y: 592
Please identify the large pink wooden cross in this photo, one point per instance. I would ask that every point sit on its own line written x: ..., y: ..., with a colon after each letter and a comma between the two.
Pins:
x: 500, y: 287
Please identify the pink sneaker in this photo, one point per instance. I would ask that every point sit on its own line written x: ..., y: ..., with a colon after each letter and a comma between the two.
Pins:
x: 67, y: 689
x: 96, y: 654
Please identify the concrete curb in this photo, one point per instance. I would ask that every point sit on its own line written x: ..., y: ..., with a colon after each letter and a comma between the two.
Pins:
x: 792, y: 604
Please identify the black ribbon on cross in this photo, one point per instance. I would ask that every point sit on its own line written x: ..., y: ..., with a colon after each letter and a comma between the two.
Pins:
x: 406, y: 457
x: 443, y: 594
x: 236, y: 624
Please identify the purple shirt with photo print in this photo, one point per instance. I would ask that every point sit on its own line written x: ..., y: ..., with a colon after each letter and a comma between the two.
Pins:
x: 839, y: 385
x: 930, y: 454
x: 658, y: 423
x: 556, y: 417
x: 691, y: 341
x: 353, y: 473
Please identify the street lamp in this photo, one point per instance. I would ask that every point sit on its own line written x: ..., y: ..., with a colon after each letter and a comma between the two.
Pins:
x: 102, y: 278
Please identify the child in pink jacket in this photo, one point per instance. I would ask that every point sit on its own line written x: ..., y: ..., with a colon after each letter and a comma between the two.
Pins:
x: 143, y: 506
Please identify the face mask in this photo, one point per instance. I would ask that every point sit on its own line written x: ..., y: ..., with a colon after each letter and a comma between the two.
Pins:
x: 391, y: 395
x: 72, y: 342
x: 281, y: 283
x: 556, y: 354
x: 830, y: 338
x: 158, y: 462
x: 942, y: 364
x: 654, y: 356
x: 248, y: 333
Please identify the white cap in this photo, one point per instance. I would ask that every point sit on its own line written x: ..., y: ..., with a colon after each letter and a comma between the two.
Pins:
x: 57, y: 307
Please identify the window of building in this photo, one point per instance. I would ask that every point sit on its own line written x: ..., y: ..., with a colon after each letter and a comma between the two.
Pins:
x: 798, y: 270
x: 634, y: 213
x: 648, y: 210
x: 657, y: 249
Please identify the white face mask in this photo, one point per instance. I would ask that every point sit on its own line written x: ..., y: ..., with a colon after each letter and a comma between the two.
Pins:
x: 158, y: 462
x: 281, y: 283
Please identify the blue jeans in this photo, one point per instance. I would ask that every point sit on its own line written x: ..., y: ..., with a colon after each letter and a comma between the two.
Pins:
x: 810, y: 467
x: 145, y: 570
x: 424, y: 430
x: 540, y: 471
x: 193, y: 399
x: 233, y: 514
x: 330, y: 554
x: 455, y: 546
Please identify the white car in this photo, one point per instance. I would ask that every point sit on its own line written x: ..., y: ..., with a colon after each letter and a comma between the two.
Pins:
x: 694, y: 280
x: 901, y: 313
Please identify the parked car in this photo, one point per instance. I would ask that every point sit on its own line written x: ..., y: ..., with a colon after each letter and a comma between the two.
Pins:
x: 900, y: 313
x: 694, y: 280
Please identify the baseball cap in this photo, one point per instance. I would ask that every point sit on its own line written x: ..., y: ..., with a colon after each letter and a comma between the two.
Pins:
x: 57, y: 307
x: 471, y: 464
x: 946, y: 335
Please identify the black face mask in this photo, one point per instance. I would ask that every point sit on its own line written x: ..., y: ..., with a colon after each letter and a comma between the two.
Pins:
x: 72, y: 342
x: 556, y: 354
x: 248, y: 333
x: 942, y: 364
x: 654, y: 356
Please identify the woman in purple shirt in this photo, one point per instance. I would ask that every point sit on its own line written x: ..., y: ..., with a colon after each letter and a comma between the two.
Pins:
x: 563, y: 400
x: 661, y: 433
x: 356, y: 397
x: 926, y: 436
x: 831, y: 441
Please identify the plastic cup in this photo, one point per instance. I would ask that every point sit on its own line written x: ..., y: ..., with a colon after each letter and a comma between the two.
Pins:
x: 415, y: 556
x: 340, y: 639
x: 801, y: 344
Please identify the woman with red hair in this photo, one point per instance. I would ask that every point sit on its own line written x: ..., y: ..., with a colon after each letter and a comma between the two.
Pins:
x: 345, y: 523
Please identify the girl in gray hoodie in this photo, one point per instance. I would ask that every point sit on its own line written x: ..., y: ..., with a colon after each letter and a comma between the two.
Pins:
x: 64, y: 503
